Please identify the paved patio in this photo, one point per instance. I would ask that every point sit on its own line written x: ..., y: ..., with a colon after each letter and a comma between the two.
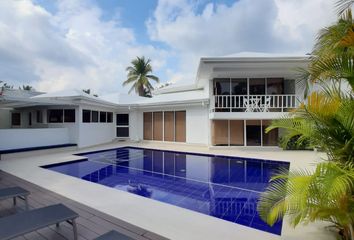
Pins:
x: 139, y: 217
x: 91, y: 222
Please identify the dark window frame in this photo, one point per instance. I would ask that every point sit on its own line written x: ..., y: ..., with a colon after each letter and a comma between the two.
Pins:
x: 86, y: 113
x: 60, y: 117
x: 125, y: 121
x: 68, y: 117
x: 109, y: 117
x: 95, y: 116
x: 16, y: 121
x: 39, y: 116
x: 103, y: 120
x: 125, y: 132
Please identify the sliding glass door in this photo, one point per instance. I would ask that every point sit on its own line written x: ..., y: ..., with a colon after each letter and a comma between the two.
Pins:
x: 165, y: 126
x: 242, y: 133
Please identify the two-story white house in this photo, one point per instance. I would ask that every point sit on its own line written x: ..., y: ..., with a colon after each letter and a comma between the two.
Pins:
x: 230, y: 103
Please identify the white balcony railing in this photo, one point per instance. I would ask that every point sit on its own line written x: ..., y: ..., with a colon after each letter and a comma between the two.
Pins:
x: 254, y: 103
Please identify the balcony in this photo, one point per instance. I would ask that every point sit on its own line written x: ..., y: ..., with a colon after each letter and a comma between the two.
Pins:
x: 254, y: 103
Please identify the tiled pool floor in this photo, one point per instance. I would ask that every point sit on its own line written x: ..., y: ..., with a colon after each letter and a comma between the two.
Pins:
x: 224, y: 187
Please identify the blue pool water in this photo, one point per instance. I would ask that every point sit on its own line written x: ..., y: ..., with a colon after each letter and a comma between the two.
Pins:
x: 224, y: 187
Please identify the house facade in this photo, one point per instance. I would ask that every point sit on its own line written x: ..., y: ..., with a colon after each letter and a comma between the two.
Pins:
x: 231, y: 102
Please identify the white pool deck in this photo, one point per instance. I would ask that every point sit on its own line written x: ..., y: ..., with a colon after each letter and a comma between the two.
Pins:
x: 156, y: 217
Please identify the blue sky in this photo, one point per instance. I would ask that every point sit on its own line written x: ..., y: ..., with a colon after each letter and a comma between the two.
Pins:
x: 55, y: 45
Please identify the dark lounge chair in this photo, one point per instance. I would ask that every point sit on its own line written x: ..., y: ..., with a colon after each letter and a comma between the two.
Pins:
x: 32, y: 220
x: 14, y: 192
x: 113, y: 235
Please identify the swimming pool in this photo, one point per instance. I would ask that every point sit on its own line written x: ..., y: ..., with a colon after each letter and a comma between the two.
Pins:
x: 224, y: 187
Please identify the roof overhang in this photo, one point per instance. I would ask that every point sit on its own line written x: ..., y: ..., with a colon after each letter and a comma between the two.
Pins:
x: 211, y: 67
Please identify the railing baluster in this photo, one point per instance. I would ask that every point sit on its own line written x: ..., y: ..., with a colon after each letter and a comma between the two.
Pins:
x: 237, y: 102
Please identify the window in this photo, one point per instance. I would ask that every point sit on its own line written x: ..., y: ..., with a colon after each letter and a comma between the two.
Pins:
x: 103, y: 117
x: 239, y: 86
x: 55, y: 115
x: 86, y: 116
x: 254, y: 132
x: 94, y: 116
x: 122, y: 119
x: 122, y: 122
x: 69, y: 115
x: 122, y: 131
x: 222, y: 86
x: 16, y: 119
x: 275, y: 86
x: 109, y: 117
x: 39, y: 116
x: 257, y: 86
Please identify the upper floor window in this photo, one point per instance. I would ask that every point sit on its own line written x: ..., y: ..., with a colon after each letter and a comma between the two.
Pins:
x: 253, y: 86
x: 222, y: 86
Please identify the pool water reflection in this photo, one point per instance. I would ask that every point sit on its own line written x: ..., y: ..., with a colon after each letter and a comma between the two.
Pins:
x: 224, y: 187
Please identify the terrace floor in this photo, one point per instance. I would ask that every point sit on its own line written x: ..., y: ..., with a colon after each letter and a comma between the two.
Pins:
x: 102, y: 209
x: 91, y: 222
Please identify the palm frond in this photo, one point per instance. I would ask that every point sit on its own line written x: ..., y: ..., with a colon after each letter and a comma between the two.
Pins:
x: 139, y: 74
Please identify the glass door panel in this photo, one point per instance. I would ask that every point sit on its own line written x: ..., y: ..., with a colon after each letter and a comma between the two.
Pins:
x: 157, y: 126
x: 236, y: 133
x: 147, y: 125
x: 180, y: 126
x: 257, y: 86
x: 169, y: 126
x: 271, y: 138
x: 253, y: 132
x: 220, y: 133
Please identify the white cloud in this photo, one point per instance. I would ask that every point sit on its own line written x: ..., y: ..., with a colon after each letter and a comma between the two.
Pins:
x: 247, y: 25
x: 74, y: 48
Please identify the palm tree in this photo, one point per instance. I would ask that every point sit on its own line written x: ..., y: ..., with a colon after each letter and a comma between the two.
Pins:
x: 344, y: 5
x: 333, y: 55
x: 326, y: 121
x: 88, y: 91
x: 26, y: 87
x: 139, y: 75
x: 325, y: 194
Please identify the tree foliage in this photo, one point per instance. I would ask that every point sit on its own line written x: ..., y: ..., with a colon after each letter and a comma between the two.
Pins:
x: 139, y: 75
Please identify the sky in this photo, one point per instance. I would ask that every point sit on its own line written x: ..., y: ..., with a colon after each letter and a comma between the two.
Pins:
x: 54, y: 45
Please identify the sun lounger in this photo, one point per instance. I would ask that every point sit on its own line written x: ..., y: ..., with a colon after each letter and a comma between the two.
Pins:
x: 32, y: 220
x: 113, y: 235
x: 14, y: 192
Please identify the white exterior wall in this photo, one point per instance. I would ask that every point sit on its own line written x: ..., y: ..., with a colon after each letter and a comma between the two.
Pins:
x: 32, y: 137
x: 197, y: 125
x: 135, y: 125
x: 90, y: 134
x: 5, y: 118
